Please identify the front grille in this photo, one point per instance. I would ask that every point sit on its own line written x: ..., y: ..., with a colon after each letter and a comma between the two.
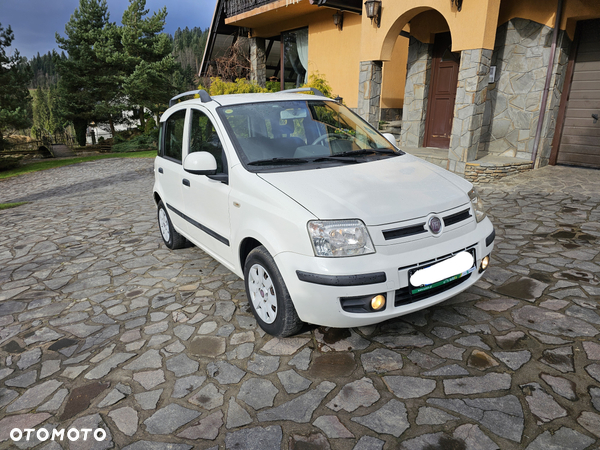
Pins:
x: 413, y: 230
x: 403, y: 295
x: 456, y: 218
x: 404, y: 231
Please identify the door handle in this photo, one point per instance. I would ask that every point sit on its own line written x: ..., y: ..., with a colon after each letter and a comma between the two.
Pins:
x: 160, y: 170
x: 595, y: 117
x: 186, y: 182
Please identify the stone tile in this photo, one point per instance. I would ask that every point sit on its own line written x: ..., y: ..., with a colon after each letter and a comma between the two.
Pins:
x: 236, y: 415
x: 449, y: 351
x: 263, y: 365
x: 148, y: 400
x: 301, y: 408
x: 354, y: 395
x: 332, y: 427
x: 34, y: 396
x: 168, y: 419
x: 81, y: 397
x: 20, y: 421
x: 292, y: 382
x: 281, y: 347
x: 477, y: 385
x: 126, y: 420
x: 563, y: 438
x: 185, y: 386
x: 433, y: 416
x: 369, y: 443
x: 150, y: 379
x: 391, y: 419
x: 302, y: 359
x: 559, y: 358
x: 207, y: 428
x: 209, y: 397
x: 541, y: 404
x: 181, y: 365
x: 257, y: 438
x: 409, y: 387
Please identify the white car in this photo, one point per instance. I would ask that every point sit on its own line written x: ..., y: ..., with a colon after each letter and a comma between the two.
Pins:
x: 323, y: 217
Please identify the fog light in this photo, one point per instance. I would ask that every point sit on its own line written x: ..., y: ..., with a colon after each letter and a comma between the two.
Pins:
x: 378, y: 302
x: 484, y: 263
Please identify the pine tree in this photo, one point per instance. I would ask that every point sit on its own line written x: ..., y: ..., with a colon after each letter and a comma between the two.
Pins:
x: 84, y: 86
x: 15, y: 74
x: 146, y: 58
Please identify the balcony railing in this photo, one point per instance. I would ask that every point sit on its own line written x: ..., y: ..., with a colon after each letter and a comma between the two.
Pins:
x: 235, y: 7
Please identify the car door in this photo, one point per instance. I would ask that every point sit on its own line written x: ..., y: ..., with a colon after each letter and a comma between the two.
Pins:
x: 206, y: 198
x: 170, y: 169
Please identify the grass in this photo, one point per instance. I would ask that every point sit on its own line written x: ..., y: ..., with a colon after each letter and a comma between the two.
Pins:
x: 11, y: 205
x: 53, y: 163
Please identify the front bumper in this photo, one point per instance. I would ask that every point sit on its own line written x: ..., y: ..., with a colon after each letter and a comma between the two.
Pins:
x: 316, y: 285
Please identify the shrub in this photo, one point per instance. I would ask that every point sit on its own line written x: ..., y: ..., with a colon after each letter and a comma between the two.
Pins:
x: 141, y: 142
x: 318, y: 81
x: 9, y: 163
x: 240, y: 86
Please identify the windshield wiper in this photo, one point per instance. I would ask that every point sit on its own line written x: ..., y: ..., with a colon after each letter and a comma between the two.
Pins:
x: 343, y: 159
x: 367, y: 152
x: 278, y: 161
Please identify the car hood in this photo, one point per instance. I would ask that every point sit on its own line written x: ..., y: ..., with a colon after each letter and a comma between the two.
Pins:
x: 378, y: 192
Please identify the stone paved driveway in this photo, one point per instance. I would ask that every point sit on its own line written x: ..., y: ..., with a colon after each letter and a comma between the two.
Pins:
x: 101, y: 326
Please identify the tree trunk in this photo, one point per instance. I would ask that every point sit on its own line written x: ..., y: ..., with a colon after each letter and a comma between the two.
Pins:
x: 80, y: 126
x: 142, y: 120
x: 112, y: 125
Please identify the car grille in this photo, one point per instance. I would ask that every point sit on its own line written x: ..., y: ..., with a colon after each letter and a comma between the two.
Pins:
x: 403, y: 295
x: 413, y: 230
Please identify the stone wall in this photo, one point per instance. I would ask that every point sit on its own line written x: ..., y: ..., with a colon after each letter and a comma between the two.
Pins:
x: 369, y: 91
x: 512, y: 109
x: 418, y: 74
x: 469, y: 107
x: 487, y: 172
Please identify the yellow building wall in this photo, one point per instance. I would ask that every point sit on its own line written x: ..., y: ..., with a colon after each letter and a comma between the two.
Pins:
x: 394, y: 76
x: 544, y: 12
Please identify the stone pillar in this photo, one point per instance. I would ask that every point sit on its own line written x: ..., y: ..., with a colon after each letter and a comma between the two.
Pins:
x: 369, y: 91
x: 258, y: 61
x: 418, y: 73
x: 469, y: 108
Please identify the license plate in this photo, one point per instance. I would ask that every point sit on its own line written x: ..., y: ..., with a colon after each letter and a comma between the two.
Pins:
x: 442, y: 282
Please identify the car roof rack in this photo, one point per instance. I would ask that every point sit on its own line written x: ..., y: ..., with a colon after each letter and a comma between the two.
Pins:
x: 302, y: 89
x: 204, y: 96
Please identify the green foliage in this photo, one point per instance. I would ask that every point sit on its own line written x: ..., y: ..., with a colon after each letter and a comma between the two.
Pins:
x: 240, y: 86
x: 141, y: 142
x: 15, y: 100
x: 46, y: 114
x: 318, y: 81
x: 188, y: 50
x: 44, y: 69
x: 11, y: 205
x: 273, y: 86
x: 85, y: 83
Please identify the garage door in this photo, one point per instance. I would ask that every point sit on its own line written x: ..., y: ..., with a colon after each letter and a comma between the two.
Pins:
x: 580, y: 141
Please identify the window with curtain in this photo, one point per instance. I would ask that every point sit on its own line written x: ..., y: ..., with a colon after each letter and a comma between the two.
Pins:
x: 294, y: 58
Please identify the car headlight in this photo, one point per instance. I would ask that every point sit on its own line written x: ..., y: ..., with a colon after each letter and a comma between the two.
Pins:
x: 336, y: 238
x: 477, y: 205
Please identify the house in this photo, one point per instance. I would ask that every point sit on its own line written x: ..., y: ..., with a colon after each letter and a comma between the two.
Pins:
x: 470, y: 79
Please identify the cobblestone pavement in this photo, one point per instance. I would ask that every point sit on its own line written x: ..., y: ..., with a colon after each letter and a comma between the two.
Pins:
x: 102, y: 326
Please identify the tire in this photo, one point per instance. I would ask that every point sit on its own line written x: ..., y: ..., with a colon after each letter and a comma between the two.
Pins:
x: 268, y: 296
x: 171, y: 238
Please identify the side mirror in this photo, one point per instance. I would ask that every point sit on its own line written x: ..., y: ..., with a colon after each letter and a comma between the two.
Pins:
x: 200, y: 163
x: 390, y: 137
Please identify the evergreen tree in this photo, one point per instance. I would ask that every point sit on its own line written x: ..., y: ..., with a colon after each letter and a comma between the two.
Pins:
x: 146, y: 59
x: 15, y: 74
x: 84, y: 88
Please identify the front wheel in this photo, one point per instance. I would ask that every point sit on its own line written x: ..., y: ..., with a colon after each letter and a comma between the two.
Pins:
x: 172, y: 238
x: 268, y: 296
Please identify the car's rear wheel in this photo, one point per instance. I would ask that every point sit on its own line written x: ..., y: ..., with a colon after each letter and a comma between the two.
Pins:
x: 171, y: 238
x: 268, y: 296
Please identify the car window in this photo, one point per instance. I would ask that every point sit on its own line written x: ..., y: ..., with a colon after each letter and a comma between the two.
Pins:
x: 204, y: 138
x: 301, y: 130
x: 173, y: 136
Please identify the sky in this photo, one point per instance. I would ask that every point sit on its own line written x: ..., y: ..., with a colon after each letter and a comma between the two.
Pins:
x: 35, y: 22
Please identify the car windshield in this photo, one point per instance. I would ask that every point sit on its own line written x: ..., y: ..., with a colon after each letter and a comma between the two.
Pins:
x: 292, y: 133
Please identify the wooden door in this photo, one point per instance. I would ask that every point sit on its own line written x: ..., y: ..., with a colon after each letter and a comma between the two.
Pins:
x: 442, y: 93
x: 580, y: 139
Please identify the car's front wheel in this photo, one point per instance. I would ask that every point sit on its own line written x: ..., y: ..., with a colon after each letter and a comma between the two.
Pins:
x: 268, y: 296
x: 172, y: 238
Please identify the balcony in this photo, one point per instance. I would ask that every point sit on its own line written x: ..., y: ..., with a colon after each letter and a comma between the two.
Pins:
x: 235, y: 7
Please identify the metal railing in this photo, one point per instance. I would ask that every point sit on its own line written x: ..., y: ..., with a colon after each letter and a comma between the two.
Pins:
x: 235, y: 7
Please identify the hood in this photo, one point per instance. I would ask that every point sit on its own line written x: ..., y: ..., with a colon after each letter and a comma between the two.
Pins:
x: 378, y: 192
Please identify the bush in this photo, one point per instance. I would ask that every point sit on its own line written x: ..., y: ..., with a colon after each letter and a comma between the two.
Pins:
x: 318, y: 81
x: 9, y: 163
x: 141, y: 142
x: 240, y: 86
